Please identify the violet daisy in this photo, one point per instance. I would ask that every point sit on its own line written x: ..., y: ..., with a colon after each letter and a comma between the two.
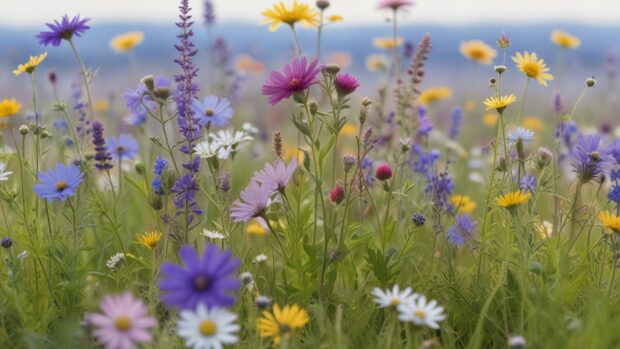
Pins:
x: 345, y: 84
x: 591, y: 157
x: 462, y: 230
x: 59, y: 182
x: 296, y: 77
x: 63, y: 30
x: 213, y: 111
x: 208, y: 279
x: 255, y: 199
x: 125, y: 147
x: 124, y: 324
x: 275, y: 178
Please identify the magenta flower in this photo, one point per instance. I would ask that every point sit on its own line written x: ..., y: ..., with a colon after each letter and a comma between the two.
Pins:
x: 296, y: 77
x: 275, y: 178
x: 255, y: 199
x: 124, y: 324
x: 346, y: 84
x: 394, y: 4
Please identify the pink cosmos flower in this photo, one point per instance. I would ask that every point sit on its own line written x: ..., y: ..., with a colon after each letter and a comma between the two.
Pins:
x: 124, y: 324
x: 297, y: 76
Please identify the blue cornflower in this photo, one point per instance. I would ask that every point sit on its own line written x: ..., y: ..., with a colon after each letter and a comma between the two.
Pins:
x: 614, y: 175
x: 125, y: 147
x: 60, y: 124
x: 209, y: 279
x: 614, y: 194
x: 591, y: 157
x: 424, y: 161
x: 418, y: 219
x: 63, y: 30
x: 59, y: 182
x: 462, y: 230
x: 520, y: 134
x: 528, y: 183
x: 213, y: 110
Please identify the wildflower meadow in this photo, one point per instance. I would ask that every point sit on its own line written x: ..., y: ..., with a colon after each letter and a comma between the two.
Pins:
x: 211, y: 201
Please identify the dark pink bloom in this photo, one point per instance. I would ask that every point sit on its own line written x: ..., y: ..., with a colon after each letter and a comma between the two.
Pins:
x: 346, y: 84
x: 383, y: 172
x: 297, y: 76
x: 337, y: 194
x: 394, y: 4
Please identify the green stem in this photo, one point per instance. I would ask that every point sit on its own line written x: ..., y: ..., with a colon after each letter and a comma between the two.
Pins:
x: 85, y: 78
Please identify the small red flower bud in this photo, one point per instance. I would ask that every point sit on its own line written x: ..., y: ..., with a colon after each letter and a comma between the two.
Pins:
x: 337, y: 194
x: 383, y: 172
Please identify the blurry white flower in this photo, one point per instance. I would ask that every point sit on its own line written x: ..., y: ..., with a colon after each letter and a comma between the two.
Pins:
x: 476, y: 177
x: 393, y: 297
x: 206, y: 149
x: 260, y: 258
x: 229, y: 143
x: 207, y: 328
x: 421, y: 312
x: 475, y: 151
x: 4, y: 175
x: 544, y: 229
x: 114, y: 260
x: 249, y: 128
x: 103, y: 182
x: 211, y: 234
x: 516, y: 342
x: 474, y: 164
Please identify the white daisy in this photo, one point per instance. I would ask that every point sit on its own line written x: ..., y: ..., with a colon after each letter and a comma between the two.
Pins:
x: 249, y: 128
x: 260, y: 258
x: 206, y: 149
x: 207, y: 329
x: 113, y: 261
x: 215, y: 235
x: 393, y: 297
x: 229, y: 143
x: 4, y: 176
x: 421, y: 313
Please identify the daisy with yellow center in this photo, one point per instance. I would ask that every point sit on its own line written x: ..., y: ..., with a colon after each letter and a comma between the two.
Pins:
x: 564, y: 39
x: 387, y: 43
x: 149, y: 239
x: 464, y: 204
x: 477, y: 51
x: 283, y: 322
x: 255, y: 229
x: 610, y: 220
x: 532, y: 67
x: 434, y: 94
x: 512, y: 199
x: 532, y: 123
x: 126, y: 42
x: 298, y: 13
x: 499, y: 103
x: 30, y: 66
x: 9, y: 107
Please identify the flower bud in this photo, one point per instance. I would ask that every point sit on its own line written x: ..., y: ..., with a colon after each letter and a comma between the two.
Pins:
x: 383, y: 172
x: 492, y: 82
x: 516, y: 342
x: 322, y: 4
x: 543, y: 157
x: 161, y: 93
x: 223, y: 182
x: 500, y: 69
x: 140, y: 169
x: 149, y: 82
x: 45, y: 134
x: 418, y: 219
x: 156, y: 202
x: 590, y: 82
x: 23, y: 130
x: 314, y: 107
x: 337, y: 194
x: 366, y: 102
x: 331, y: 68
x: 348, y: 160
x: 6, y: 242
x: 262, y: 301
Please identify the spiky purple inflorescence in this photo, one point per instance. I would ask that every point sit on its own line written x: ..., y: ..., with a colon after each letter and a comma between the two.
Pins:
x: 63, y: 30
x: 102, y: 155
x: 209, y: 15
x: 416, y: 69
x: 457, y: 122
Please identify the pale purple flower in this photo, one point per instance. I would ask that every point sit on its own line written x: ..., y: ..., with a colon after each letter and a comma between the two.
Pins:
x: 462, y: 230
x: 255, y: 199
x: 275, y: 178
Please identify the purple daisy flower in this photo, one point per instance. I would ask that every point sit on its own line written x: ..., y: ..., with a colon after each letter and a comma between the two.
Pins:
x: 346, y: 84
x: 213, y: 110
x: 296, y: 77
x: 125, y: 147
x: 63, y: 30
x: 462, y: 230
x: 208, y: 279
x: 528, y: 183
x: 275, y: 178
x: 59, y: 182
x: 591, y: 157
x: 255, y: 199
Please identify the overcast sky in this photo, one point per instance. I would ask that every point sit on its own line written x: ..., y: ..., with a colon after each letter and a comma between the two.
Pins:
x: 35, y: 12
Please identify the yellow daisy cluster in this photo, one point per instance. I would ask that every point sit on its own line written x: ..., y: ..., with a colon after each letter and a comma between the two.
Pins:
x: 464, y: 204
x: 387, y: 43
x: 532, y: 67
x: 564, y: 39
x: 255, y: 229
x: 298, y: 13
x: 126, y: 42
x: 477, y: 51
x: 609, y: 220
x: 512, y: 199
x: 9, y: 107
x: 434, y: 94
x: 283, y: 322
x: 377, y: 62
x: 149, y: 239
x: 499, y: 103
x: 533, y: 123
x: 30, y: 66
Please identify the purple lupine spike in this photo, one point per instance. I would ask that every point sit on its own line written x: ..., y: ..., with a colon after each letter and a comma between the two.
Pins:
x: 102, y: 155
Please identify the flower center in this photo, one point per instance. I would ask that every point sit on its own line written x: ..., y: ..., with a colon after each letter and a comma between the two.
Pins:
x: 67, y: 34
x: 209, y: 112
x: 122, y: 323
x: 477, y: 54
x: 120, y: 149
x: 531, y: 69
x: 294, y: 84
x: 201, y: 283
x: 61, y: 185
x: 595, y: 156
x: 420, y: 313
x: 284, y: 329
x: 207, y: 328
x: 394, y: 302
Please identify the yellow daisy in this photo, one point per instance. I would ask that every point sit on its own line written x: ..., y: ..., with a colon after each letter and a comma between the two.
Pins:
x: 376, y: 62
x: 512, y: 199
x: 434, y: 94
x: 387, y: 43
x: 298, y: 12
x: 477, y: 51
x: 489, y: 119
x: 463, y: 203
x: 532, y: 123
x: 101, y: 106
x: 610, y: 220
x: 255, y: 229
x: 283, y: 322
x: 349, y: 130
x: 530, y: 65
x: 126, y: 42
x: 149, y: 239
x: 470, y: 106
x: 9, y: 107
x: 499, y: 103
x: 335, y: 19
x: 30, y: 66
x: 564, y: 39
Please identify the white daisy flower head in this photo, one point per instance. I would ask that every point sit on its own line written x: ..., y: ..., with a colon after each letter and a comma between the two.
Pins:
x: 215, y: 235
x: 393, y: 297
x: 206, y: 149
x: 4, y: 175
x: 516, y: 342
x: 114, y: 260
x: 421, y: 312
x: 247, y: 127
x: 260, y: 258
x: 229, y: 142
x: 207, y: 328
